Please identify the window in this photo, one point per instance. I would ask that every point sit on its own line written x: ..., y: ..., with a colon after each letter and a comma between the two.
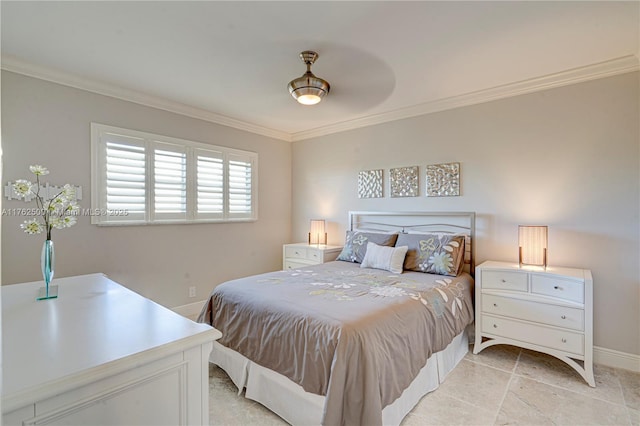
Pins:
x: 140, y: 178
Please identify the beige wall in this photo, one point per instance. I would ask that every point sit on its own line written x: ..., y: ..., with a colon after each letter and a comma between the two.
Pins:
x: 568, y: 158
x: 49, y: 124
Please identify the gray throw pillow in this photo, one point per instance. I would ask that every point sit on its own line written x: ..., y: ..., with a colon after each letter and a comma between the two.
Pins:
x: 441, y: 254
x: 355, y: 246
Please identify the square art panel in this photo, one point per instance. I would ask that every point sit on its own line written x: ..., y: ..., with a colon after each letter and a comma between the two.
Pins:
x: 404, y: 182
x: 443, y: 180
x: 370, y: 184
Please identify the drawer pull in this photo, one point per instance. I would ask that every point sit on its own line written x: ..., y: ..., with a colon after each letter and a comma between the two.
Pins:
x: 495, y: 304
x: 563, y: 317
x: 557, y: 287
x: 503, y: 280
x: 564, y: 340
x: 495, y: 326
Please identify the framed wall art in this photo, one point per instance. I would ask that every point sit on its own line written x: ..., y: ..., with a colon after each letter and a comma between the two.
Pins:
x: 443, y: 180
x: 404, y: 182
x: 370, y: 184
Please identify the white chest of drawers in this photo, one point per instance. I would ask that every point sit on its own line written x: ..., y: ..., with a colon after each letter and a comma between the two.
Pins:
x: 299, y: 255
x: 549, y: 311
x: 101, y: 354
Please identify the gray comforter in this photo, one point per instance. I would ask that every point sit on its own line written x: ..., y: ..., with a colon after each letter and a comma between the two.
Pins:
x: 357, y: 336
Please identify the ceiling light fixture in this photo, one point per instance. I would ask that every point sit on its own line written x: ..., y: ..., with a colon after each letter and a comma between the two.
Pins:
x: 308, y: 89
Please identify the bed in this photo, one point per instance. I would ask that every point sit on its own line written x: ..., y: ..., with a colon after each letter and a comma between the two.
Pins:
x: 359, y: 340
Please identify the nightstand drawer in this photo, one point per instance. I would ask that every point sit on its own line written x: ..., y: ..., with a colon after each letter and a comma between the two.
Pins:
x: 557, y: 287
x: 559, y: 316
x: 315, y: 255
x: 295, y: 252
x: 562, y: 340
x: 301, y: 255
x: 504, y: 280
x: 292, y: 264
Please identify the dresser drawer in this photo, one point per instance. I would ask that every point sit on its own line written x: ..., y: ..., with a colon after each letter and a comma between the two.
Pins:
x: 559, y: 316
x: 557, y: 287
x: 295, y: 252
x: 563, y: 340
x: 504, y: 280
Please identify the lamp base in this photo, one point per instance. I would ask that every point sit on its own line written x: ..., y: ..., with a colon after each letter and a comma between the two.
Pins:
x: 53, y: 293
x: 318, y: 238
x: 544, y: 259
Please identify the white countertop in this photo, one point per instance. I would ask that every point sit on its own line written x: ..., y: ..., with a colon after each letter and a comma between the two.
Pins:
x: 94, y: 321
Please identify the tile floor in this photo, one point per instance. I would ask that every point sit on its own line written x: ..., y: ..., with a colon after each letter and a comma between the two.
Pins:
x: 502, y: 385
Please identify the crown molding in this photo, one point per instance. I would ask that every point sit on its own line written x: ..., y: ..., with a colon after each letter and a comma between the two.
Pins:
x: 12, y: 64
x: 609, y: 68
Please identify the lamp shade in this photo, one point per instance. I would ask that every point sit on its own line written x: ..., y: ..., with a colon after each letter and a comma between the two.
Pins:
x: 317, y: 233
x: 533, y: 245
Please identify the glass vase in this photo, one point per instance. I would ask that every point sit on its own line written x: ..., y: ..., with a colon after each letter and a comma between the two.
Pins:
x: 47, y: 263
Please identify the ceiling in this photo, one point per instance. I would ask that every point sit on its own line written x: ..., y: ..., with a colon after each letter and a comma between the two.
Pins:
x: 230, y: 62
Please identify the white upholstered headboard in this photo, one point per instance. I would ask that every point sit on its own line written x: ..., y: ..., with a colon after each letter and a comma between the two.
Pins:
x: 407, y: 222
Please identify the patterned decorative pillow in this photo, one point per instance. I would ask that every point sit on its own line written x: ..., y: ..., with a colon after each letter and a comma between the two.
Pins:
x: 355, y: 246
x: 440, y: 254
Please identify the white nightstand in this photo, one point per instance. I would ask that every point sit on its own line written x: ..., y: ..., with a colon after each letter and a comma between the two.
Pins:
x: 549, y: 311
x: 300, y: 255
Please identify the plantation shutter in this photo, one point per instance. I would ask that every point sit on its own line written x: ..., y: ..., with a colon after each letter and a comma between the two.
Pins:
x: 125, y: 176
x: 140, y: 178
x: 210, y: 184
x: 169, y: 181
x: 240, y: 186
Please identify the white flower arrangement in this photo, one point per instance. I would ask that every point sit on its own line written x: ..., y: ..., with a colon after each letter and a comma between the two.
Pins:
x: 58, y: 212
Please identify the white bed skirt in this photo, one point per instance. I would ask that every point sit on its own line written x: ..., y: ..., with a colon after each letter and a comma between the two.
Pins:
x: 298, y: 407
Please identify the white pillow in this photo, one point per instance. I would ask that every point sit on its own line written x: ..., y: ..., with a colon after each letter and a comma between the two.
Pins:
x: 387, y: 258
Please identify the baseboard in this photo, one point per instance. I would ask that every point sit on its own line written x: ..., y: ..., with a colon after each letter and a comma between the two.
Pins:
x: 616, y: 359
x: 190, y: 310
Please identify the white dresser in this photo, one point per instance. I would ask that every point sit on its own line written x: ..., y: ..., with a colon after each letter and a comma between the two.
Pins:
x: 549, y: 311
x: 299, y: 255
x: 101, y: 354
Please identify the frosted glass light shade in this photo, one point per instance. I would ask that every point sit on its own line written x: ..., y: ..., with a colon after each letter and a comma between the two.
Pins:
x: 533, y: 245
x: 317, y: 233
x: 309, y: 99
